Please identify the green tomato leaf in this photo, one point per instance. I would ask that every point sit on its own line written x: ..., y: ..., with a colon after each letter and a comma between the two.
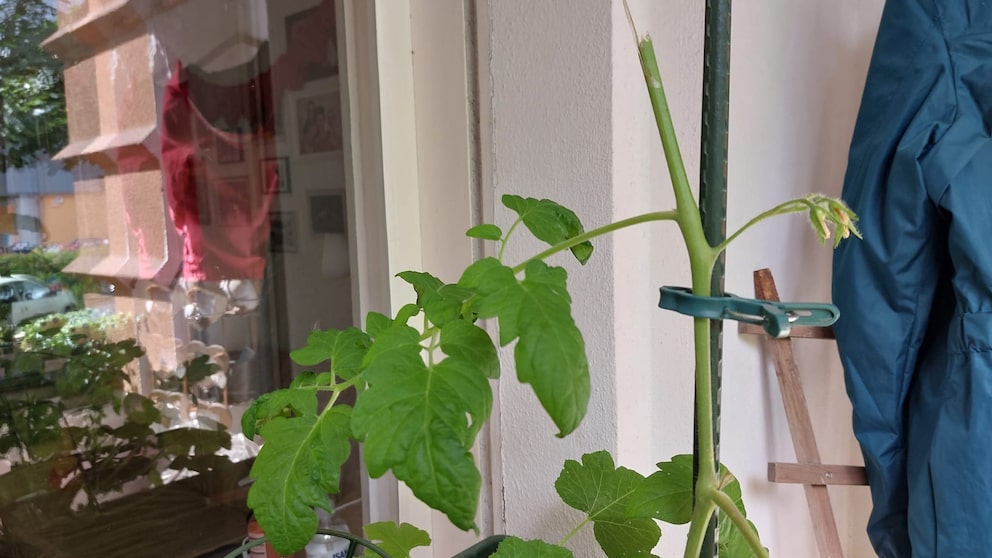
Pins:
x: 732, y: 487
x: 603, y: 491
x: 349, y: 352
x: 311, y: 380
x: 323, y: 379
x: 469, y: 342
x: 667, y: 493
x: 550, y: 354
x: 630, y: 538
x: 420, y: 421
x: 550, y: 222
x: 397, y: 346
x: 376, y: 322
x: 732, y: 542
x: 406, y: 312
x: 304, y: 379
x: 296, y: 469
x: 345, y: 349
x: 512, y: 547
x: 421, y: 281
x: 319, y: 347
x: 280, y: 403
x: 442, y: 303
x: 396, y: 540
x: 485, y: 232
x: 497, y: 295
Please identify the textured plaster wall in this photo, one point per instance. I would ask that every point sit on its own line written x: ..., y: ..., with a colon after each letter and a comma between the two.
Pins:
x: 571, y: 121
x: 653, y: 347
x: 551, y: 103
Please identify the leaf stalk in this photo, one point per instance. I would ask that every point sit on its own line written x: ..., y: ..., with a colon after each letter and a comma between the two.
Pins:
x: 726, y: 505
x: 605, y: 229
x: 791, y: 206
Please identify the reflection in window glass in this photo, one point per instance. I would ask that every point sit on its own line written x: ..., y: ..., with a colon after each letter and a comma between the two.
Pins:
x: 172, y: 224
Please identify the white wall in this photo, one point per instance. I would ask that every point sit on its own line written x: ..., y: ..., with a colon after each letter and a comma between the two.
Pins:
x: 798, y: 73
x: 654, y: 348
x: 571, y: 121
x: 550, y: 63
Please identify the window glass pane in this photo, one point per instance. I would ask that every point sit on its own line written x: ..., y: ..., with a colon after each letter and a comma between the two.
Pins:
x: 172, y: 225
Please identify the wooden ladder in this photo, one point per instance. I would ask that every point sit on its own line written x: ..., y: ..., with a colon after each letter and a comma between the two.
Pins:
x: 808, y: 470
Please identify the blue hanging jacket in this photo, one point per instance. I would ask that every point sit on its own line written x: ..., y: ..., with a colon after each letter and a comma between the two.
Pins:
x: 915, y: 334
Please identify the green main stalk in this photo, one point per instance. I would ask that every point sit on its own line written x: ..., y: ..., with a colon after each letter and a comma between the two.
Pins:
x: 702, y: 258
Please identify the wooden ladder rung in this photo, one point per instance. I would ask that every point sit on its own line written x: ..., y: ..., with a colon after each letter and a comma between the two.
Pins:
x: 808, y: 471
x: 798, y: 332
x: 816, y: 474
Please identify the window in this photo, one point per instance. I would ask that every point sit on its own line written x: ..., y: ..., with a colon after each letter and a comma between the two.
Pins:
x: 174, y: 223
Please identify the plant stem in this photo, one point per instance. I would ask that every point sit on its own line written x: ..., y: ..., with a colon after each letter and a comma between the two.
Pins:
x: 697, y: 527
x: 506, y: 238
x: 702, y: 258
x: 589, y: 235
x: 791, y: 206
x: 685, y: 204
x: 723, y: 501
x: 574, y: 532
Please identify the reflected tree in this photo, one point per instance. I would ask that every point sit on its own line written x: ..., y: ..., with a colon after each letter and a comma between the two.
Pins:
x: 32, y: 92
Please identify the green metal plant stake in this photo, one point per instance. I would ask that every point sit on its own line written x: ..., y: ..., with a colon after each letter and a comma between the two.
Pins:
x: 714, y: 130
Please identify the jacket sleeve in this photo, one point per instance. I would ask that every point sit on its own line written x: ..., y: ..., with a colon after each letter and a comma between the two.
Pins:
x: 885, y: 284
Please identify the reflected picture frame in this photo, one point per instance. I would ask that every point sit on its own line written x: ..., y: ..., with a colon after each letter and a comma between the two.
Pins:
x: 283, y: 232
x: 314, y: 125
x: 328, y: 212
x: 283, y: 184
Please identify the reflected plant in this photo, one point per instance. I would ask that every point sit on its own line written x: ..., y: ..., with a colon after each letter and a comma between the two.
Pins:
x: 69, y: 427
x: 423, y: 376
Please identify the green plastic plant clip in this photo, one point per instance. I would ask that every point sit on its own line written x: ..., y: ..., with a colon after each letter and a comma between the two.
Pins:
x: 776, y: 318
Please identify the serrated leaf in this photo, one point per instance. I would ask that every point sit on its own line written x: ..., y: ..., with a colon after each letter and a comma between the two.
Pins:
x: 512, y: 547
x: 497, y: 295
x: 323, y: 379
x: 485, y: 232
x: 463, y: 340
x: 421, y: 281
x: 304, y: 379
x: 406, y: 312
x: 550, y: 222
x: 732, y: 543
x: 667, y: 494
x: 376, y: 322
x: 398, y: 345
x: 550, y: 354
x: 628, y: 538
x: 279, y: 403
x: 249, y: 420
x: 349, y: 352
x: 296, y: 469
x: 602, y: 490
x: 414, y: 419
x: 319, y: 347
x: 441, y: 303
x: 396, y: 540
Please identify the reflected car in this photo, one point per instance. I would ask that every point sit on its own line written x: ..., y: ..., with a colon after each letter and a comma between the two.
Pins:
x: 23, y: 297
